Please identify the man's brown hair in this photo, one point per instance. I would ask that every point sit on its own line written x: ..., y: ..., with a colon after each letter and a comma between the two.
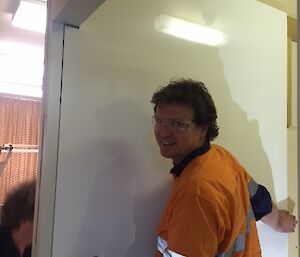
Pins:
x: 19, y: 205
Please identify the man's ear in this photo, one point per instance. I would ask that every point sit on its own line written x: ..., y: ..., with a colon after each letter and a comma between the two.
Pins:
x: 203, y: 130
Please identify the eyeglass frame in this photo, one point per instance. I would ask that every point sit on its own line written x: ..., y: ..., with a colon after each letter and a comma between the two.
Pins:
x: 182, y: 126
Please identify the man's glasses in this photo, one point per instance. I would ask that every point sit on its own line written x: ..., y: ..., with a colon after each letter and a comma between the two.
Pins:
x: 171, y: 125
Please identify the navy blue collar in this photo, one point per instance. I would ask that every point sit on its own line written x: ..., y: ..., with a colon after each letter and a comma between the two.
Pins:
x: 177, y: 169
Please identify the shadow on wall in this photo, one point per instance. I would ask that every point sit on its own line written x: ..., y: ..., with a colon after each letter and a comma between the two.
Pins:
x: 125, y: 200
x: 128, y: 192
x: 242, y: 138
x: 238, y: 134
x: 144, y: 244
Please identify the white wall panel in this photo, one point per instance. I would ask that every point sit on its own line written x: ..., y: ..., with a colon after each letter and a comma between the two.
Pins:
x: 111, y: 181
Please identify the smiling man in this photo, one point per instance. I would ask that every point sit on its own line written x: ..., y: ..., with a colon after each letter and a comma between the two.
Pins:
x: 213, y: 207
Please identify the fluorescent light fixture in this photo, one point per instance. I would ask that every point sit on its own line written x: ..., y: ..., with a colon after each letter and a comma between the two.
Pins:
x: 22, y: 50
x: 189, y: 31
x: 21, y: 68
x: 18, y: 89
x: 31, y: 15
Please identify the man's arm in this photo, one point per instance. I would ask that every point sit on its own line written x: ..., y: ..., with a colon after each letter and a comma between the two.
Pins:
x: 280, y: 220
x: 266, y: 210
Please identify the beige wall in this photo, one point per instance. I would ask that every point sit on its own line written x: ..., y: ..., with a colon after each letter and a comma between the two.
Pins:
x: 293, y: 187
x: 294, y: 84
x: 292, y: 151
x: 288, y: 6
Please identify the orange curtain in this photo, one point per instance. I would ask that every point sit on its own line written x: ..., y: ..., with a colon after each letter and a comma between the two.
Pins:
x: 19, y: 124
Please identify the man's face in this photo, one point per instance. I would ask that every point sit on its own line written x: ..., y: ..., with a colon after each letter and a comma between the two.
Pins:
x: 175, y: 132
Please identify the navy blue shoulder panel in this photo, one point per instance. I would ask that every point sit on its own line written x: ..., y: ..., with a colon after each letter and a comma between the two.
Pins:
x: 261, y: 202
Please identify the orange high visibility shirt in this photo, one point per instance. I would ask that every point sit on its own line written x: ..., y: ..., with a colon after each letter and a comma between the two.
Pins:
x: 209, y: 211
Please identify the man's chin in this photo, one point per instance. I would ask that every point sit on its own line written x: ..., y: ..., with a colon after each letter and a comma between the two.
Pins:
x: 166, y: 154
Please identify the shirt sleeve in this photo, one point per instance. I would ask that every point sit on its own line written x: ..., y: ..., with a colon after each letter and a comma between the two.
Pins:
x: 261, y: 202
x: 194, y: 227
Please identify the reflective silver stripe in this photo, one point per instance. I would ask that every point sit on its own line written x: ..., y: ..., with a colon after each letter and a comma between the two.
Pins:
x: 162, y: 246
x: 238, y: 246
x: 173, y: 254
x: 249, y: 217
x: 240, y: 243
x: 252, y: 186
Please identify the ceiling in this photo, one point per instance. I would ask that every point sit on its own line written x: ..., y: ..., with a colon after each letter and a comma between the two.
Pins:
x: 21, y: 52
x: 4, y: 5
x: 10, y: 33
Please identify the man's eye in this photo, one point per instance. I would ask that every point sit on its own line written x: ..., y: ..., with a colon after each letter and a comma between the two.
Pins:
x: 176, y: 124
x: 157, y: 120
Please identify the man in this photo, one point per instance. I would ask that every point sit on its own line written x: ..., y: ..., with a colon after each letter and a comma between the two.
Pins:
x: 214, y: 204
x: 16, y: 228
